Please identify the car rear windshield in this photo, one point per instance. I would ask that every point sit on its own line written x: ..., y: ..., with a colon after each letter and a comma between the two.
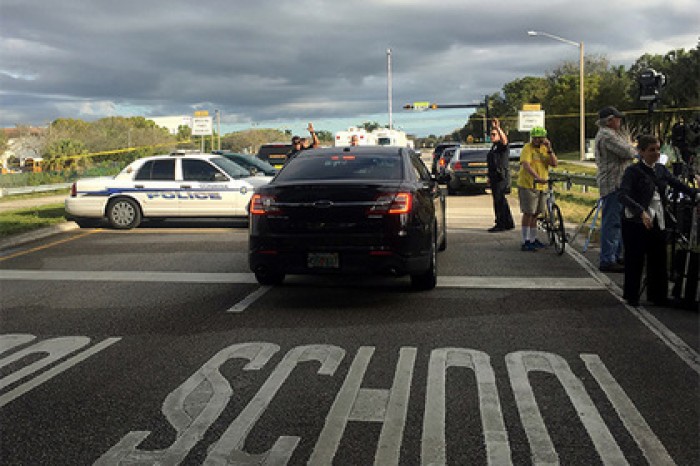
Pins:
x: 471, y: 155
x: 342, y: 167
x: 441, y: 147
x: 274, y: 153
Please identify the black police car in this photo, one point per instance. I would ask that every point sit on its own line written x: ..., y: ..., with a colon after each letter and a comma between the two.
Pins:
x: 349, y: 210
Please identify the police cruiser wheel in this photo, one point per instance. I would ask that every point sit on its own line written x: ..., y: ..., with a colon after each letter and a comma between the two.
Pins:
x: 123, y: 213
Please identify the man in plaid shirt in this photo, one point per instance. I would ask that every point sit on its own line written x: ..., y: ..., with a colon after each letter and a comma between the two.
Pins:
x: 613, y: 153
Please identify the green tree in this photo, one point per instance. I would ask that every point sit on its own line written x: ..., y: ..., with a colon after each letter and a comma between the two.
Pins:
x: 3, y: 141
x: 370, y: 126
x: 184, y: 133
x: 251, y: 140
x: 64, y: 148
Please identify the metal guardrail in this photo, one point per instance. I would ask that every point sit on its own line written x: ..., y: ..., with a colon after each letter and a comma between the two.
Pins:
x: 44, y: 188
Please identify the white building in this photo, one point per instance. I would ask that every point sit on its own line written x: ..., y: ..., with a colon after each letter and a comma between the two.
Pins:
x: 172, y: 122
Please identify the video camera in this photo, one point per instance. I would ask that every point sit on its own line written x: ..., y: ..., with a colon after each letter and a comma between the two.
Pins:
x: 651, y: 82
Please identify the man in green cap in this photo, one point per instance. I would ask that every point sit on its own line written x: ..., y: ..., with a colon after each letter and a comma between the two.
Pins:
x: 535, y: 159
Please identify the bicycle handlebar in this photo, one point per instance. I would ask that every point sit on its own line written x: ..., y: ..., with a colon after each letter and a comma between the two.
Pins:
x: 550, y: 181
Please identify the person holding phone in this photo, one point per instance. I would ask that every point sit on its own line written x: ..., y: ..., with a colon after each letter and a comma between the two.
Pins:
x: 535, y: 159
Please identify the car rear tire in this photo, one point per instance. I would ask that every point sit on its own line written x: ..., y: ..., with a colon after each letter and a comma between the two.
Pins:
x: 443, y: 243
x: 428, y: 279
x: 123, y: 213
x: 265, y: 277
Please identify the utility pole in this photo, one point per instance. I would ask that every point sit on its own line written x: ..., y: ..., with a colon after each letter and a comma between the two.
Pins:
x: 218, y: 129
x: 388, y: 72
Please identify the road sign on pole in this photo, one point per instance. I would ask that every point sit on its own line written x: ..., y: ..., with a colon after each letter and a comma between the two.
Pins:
x: 528, y: 119
x: 202, y: 126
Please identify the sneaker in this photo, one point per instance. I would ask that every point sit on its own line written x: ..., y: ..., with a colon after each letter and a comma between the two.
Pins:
x: 528, y: 246
x: 538, y: 244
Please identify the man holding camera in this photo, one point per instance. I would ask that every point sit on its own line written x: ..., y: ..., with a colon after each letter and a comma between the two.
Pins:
x: 613, y: 154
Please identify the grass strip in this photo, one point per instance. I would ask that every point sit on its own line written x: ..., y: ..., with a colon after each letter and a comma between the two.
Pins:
x: 18, y: 221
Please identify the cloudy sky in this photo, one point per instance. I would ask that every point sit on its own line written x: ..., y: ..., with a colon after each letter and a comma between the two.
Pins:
x: 270, y: 63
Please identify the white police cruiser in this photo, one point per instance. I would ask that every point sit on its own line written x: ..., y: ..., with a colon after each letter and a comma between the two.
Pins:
x: 164, y: 186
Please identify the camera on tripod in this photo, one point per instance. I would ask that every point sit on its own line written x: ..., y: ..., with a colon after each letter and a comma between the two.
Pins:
x: 651, y: 82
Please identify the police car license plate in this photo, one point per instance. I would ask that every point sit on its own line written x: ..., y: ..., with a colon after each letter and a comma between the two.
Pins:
x: 481, y: 179
x: 322, y: 260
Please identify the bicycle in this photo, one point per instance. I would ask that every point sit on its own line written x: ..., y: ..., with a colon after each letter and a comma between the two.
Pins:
x: 552, y: 221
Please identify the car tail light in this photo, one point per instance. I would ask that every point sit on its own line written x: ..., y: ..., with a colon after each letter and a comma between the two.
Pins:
x: 261, y: 204
x: 442, y: 162
x: 458, y: 165
x: 394, y: 203
x: 74, y: 190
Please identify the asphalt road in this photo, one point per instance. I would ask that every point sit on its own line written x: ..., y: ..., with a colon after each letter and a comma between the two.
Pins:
x: 157, y: 346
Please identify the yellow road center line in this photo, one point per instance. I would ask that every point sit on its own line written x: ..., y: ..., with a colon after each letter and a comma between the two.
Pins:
x: 48, y: 245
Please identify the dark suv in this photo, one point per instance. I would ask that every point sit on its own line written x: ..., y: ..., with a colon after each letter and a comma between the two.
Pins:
x: 274, y: 153
x: 438, y: 152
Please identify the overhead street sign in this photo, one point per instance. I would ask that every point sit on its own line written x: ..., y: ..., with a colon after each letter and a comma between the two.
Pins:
x: 202, y: 126
x: 529, y: 119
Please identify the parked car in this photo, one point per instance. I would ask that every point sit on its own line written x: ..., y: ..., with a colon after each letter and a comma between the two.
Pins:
x: 274, y: 153
x: 515, y: 148
x: 443, y: 161
x: 164, y: 186
x: 468, y: 171
x: 349, y: 210
x: 252, y: 164
x: 437, y: 152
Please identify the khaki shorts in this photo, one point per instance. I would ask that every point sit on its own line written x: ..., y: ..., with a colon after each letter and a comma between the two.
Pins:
x: 532, y: 201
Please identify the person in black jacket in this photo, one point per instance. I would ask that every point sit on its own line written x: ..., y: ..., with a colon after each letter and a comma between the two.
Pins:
x: 643, y: 195
x: 499, y: 178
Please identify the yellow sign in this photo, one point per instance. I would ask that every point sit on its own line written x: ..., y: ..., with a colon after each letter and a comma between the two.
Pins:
x: 201, y: 113
x: 420, y: 105
x: 532, y: 107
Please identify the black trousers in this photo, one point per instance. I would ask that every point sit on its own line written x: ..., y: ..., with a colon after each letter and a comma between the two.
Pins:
x: 504, y: 219
x: 644, y: 246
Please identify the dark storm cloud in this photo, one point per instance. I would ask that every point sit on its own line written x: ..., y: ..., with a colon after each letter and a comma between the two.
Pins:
x: 310, y: 59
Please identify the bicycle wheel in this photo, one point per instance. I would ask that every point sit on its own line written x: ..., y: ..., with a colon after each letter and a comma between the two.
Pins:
x: 558, y: 233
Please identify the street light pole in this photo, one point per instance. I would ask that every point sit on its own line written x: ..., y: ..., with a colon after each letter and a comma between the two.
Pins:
x: 388, y: 85
x: 582, y: 102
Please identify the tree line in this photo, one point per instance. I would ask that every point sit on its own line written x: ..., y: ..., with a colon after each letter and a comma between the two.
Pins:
x: 604, y: 84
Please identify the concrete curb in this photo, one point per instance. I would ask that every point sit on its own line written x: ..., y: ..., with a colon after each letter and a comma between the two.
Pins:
x: 22, y: 238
